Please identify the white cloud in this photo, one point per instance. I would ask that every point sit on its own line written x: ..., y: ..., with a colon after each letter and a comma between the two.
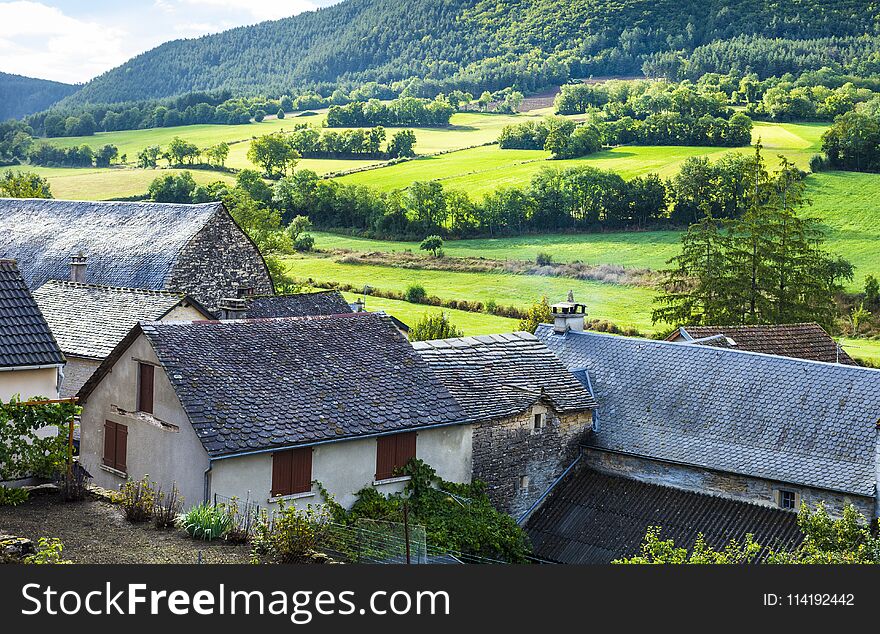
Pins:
x: 41, y: 41
x: 259, y: 9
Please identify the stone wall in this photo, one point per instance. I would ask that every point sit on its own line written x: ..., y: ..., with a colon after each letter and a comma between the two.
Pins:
x: 218, y: 260
x: 519, y: 462
x: 737, y: 487
x: 76, y: 372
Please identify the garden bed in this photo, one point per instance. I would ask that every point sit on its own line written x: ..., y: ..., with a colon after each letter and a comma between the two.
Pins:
x: 94, y: 532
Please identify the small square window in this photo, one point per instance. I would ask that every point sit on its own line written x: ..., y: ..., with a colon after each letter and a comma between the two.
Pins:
x: 524, y: 483
x: 787, y: 499
x: 540, y: 420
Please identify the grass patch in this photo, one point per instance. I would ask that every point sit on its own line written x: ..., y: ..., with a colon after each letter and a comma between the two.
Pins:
x: 623, y: 305
x: 868, y: 349
x: 469, y: 323
x: 69, y: 183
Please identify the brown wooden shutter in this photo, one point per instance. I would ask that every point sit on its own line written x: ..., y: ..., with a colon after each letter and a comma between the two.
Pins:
x: 109, y: 443
x: 145, y: 395
x: 406, y: 448
x: 121, y: 448
x: 282, y: 472
x: 302, y: 470
x: 385, y: 451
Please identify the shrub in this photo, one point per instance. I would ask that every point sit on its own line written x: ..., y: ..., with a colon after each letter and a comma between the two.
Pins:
x: 436, y: 326
x: 818, y: 163
x: 304, y: 243
x: 138, y: 498
x: 49, y: 551
x: 13, y: 497
x: 416, y: 294
x: 206, y: 521
x: 544, y: 259
x: 72, y: 487
x: 491, y: 306
x: 291, y: 536
x: 168, y: 507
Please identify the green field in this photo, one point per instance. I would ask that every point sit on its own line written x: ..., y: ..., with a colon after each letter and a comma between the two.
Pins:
x: 69, y: 183
x: 867, y: 349
x: 481, y: 170
x: 469, y: 323
x: 624, y: 305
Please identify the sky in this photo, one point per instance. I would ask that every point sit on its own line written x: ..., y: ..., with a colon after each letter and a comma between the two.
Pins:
x: 75, y: 40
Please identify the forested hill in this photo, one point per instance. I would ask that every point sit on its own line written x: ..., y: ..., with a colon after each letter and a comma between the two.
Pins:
x: 23, y: 95
x: 488, y: 44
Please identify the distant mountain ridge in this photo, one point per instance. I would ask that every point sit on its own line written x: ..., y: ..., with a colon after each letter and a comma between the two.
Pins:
x: 463, y: 43
x: 20, y: 96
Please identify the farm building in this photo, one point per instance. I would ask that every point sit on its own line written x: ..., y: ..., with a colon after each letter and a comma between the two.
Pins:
x: 88, y: 320
x: 197, y: 250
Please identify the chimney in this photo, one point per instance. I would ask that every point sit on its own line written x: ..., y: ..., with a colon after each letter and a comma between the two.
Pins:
x: 78, y: 265
x: 232, y: 308
x: 568, y: 315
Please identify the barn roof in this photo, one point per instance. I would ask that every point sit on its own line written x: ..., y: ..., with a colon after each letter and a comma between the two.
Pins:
x: 128, y: 244
x: 776, y: 418
x: 595, y: 518
x: 25, y: 338
x: 298, y: 305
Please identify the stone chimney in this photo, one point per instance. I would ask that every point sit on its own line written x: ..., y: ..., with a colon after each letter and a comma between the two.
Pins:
x: 78, y: 265
x: 568, y: 315
x: 232, y: 308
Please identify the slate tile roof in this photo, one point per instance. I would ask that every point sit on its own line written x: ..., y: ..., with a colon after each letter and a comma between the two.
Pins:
x: 771, y: 417
x: 299, y: 305
x: 595, y: 518
x: 25, y: 337
x: 802, y: 341
x: 258, y: 384
x: 494, y: 376
x: 128, y: 244
x: 89, y: 320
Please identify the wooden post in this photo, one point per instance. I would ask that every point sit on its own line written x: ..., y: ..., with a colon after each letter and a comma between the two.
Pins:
x: 406, y: 530
x: 70, y: 449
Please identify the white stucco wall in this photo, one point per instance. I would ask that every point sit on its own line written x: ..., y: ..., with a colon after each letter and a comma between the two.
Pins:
x: 29, y: 383
x: 343, y: 468
x: 163, y: 445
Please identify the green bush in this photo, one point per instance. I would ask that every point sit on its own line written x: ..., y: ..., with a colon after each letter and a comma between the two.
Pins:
x: 137, y: 499
x: 416, y: 294
x: 291, y: 536
x: 48, y: 552
x: 13, y: 497
x: 206, y: 521
x: 544, y: 259
x: 818, y: 163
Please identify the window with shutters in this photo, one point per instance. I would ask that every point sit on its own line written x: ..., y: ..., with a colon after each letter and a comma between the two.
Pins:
x: 292, y: 471
x: 393, y: 452
x: 145, y: 387
x: 115, y: 445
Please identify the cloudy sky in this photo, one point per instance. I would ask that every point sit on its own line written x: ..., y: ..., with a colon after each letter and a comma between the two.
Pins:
x: 75, y: 40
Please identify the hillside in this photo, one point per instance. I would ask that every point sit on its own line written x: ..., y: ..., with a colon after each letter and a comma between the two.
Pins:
x: 20, y: 96
x: 477, y: 44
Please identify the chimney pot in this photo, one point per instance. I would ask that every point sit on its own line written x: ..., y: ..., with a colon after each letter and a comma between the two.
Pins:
x: 232, y: 308
x: 568, y: 315
x: 78, y: 265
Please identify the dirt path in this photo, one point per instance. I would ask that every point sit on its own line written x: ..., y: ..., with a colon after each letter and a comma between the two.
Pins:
x: 95, y: 532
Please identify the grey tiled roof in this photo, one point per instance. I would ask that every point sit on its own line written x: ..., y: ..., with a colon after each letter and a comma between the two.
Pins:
x: 89, y: 320
x: 595, y: 518
x: 128, y: 244
x: 494, y: 376
x: 783, y: 419
x: 250, y: 385
x: 299, y: 305
x: 25, y: 338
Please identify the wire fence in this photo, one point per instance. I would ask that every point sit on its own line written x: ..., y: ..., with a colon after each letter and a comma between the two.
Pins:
x: 365, y: 541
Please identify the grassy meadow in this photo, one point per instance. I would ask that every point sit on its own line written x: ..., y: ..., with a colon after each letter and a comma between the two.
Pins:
x: 624, y: 305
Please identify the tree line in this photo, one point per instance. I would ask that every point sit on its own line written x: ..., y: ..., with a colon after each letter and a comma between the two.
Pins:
x: 401, y: 112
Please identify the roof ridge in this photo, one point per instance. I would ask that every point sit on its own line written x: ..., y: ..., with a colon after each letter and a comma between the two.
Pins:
x: 108, y: 287
x: 719, y: 350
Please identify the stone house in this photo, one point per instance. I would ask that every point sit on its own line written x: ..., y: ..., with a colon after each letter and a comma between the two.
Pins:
x: 89, y: 320
x: 260, y: 409
x: 197, y: 250
x: 529, y: 413
x: 31, y: 362
x: 762, y: 431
